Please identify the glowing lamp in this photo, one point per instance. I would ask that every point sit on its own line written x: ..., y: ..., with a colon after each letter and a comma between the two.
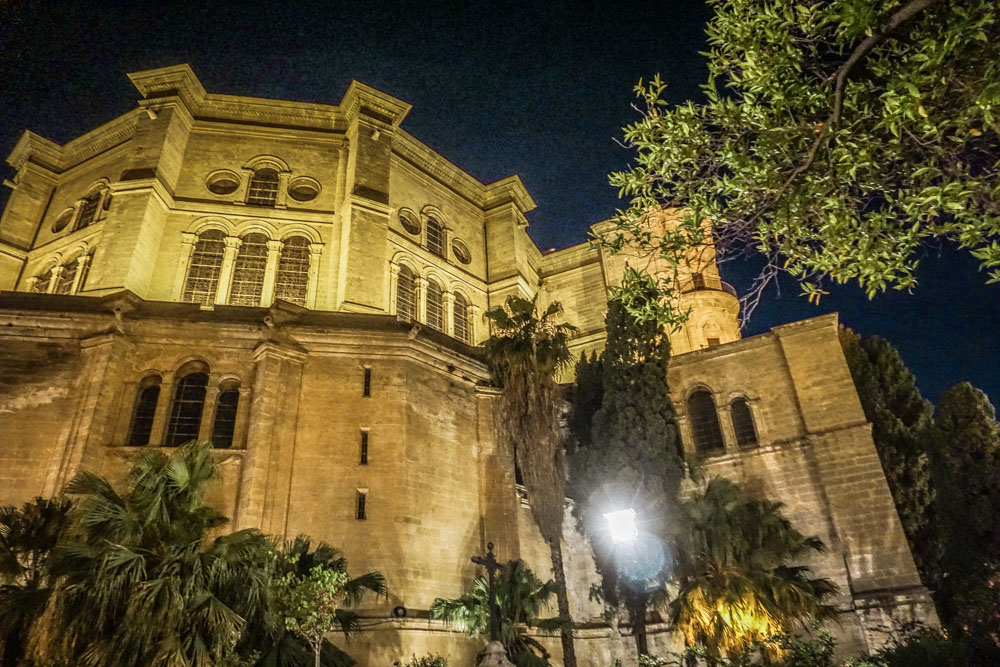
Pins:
x: 622, y: 526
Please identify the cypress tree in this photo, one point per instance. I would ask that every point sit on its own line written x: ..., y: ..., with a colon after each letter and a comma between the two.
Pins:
x: 900, y: 418
x: 631, y: 459
x: 588, y: 391
x: 965, y: 472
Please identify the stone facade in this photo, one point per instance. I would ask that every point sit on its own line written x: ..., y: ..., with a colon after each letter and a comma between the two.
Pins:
x: 318, y: 276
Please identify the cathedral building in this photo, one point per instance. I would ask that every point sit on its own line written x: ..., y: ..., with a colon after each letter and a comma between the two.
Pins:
x: 304, y: 285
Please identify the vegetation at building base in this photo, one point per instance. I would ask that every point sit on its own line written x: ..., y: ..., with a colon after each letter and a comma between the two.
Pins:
x: 520, y: 598
x: 628, y: 458
x: 525, y: 353
x: 429, y: 660
x: 835, y: 139
x: 134, y: 576
x: 944, y: 474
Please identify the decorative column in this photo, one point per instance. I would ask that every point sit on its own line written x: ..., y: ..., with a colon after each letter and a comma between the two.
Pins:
x: 315, y: 250
x: 474, y: 325
x: 226, y: 274
x: 187, y: 249
x: 81, y: 272
x: 270, y: 272
x: 421, y: 305
x: 125, y: 411
x: 32, y: 284
x: 240, y: 196
x: 54, y: 280
x: 158, y: 433
x: 242, y: 417
x: 448, y: 305
x: 281, y: 200
x: 208, y: 407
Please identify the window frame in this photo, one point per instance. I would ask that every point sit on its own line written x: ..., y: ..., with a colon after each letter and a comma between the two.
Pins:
x: 713, y: 441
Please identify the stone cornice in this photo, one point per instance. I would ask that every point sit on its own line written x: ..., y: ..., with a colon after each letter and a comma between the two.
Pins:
x: 47, y: 153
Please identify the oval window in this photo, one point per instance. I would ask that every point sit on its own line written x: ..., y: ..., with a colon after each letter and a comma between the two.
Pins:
x: 303, y: 189
x: 461, y: 251
x: 409, y: 222
x: 222, y: 182
x: 64, y: 219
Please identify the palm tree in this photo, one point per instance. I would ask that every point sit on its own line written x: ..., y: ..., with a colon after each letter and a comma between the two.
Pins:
x: 28, y: 537
x: 520, y: 598
x: 268, y: 636
x: 735, y: 583
x: 525, y: 353
x: 142, y: 582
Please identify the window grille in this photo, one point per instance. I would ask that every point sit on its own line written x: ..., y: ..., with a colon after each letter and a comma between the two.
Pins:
x: 224, y: 427
x: 88, y: 210
x: 64, y: 284
x: 364, y: 448
x: 292, y: 281
x: 185, y: 413
x: 263, y: 189
x: 84, y: 272
x: 362, y: 510
x: 248, y: 271
x: 743, y: 426
x: 366, y: 390
x: 203, y: 271
x: 143, y: 412
x: 41, y: 285
x: 705, y: 422
x: 435, y: 237
x: 698, y: 281
x: 712, y: 342
x: 406, y: 297
x: 460, y: 319
x: 435, y: 306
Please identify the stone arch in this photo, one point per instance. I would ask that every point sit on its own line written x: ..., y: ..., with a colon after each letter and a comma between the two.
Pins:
x: 288, y: 231
x: 191, y: 363
x: 432, y: 211
x: 264, y: 161
x: 202, y: 225
x: 264, y: 227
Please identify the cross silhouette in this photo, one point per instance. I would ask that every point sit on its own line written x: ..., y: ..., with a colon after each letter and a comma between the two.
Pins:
x: 489, y: 561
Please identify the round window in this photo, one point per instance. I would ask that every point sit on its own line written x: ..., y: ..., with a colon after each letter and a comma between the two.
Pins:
x: 461, y: 251
x: 64, y: 219
x: 303, y: 189
x: 409, y: 222
x: 222, y: 182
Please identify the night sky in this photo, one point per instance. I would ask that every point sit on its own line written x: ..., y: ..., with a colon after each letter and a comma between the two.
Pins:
x: 539, y: 90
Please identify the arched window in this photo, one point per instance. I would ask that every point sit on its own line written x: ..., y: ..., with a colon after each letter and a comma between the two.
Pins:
x: 263, y: 190
x: 88, y: 209
x: 292, y: 281
x: 226, y: 406
x: 146, y: 398
x: 435, y: 306
x: 406, y: 294
x: 743, y: 426
x: 705, y: 422
x: 248, y: 271
x: 460, y: 319
x: 435, y: 237
x: 203, y: 272
x: 41, y: 285
x: 64, y: 283
x: 186, y: 409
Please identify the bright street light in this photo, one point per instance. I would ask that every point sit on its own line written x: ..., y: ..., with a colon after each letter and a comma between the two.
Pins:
x: 622, y: 526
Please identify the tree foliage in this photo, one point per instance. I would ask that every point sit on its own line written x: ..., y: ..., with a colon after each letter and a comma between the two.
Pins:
x: 520, y: 598
x: 738, y: 578
x: 631, y: 457
x: 900, y: 419
x: 836, y: 139
x: 525, y: 352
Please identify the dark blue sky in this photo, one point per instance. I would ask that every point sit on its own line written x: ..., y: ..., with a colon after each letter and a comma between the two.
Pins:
x: 540, y: 90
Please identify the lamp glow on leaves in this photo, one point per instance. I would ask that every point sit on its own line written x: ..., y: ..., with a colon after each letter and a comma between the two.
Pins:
x: 621, y: 525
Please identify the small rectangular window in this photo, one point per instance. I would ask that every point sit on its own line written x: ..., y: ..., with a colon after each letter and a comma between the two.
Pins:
x: 367, y: 391
x: 698, y: 281
x: 712, y: 342
x: 362, y: 514
x: 364, y: 448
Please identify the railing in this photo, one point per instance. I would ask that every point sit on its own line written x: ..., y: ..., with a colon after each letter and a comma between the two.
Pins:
x: 702, y: 282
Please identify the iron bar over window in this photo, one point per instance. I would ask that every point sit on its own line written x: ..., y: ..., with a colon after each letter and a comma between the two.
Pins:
x: 435, y: 237
x: 142, y: 414
x: 435, y: 306
x: 743, y: 426
x: 224, y: 426
x: 203, y: 271
x: 263, y: 189
x: 248, y: 271
x: 406, y: 297
x: 292, y: 280
x: 185, y: 412
x: 705, y: 422
x: 460, y: 319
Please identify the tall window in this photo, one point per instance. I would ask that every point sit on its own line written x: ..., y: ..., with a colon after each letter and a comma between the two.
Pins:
x: 460, y: 319
x: 366, y: 385
x: 64, y: 284
x: 203, y: 272
x: 88, y: 210
x: 435, y: 306
x: 292, y: 281
x: 42, y: 281
x: 263, y: 190
x: 743, y: 426
x: 705, y: 422
x: 363, y: 459
x: 248, y: 271
x: 146, y: 398
x: 435, y: 237
x: 406, y: 294
x: 227, y: 403
x: 698, y: 280
x: 361, y: 512
x: 186, y: 410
